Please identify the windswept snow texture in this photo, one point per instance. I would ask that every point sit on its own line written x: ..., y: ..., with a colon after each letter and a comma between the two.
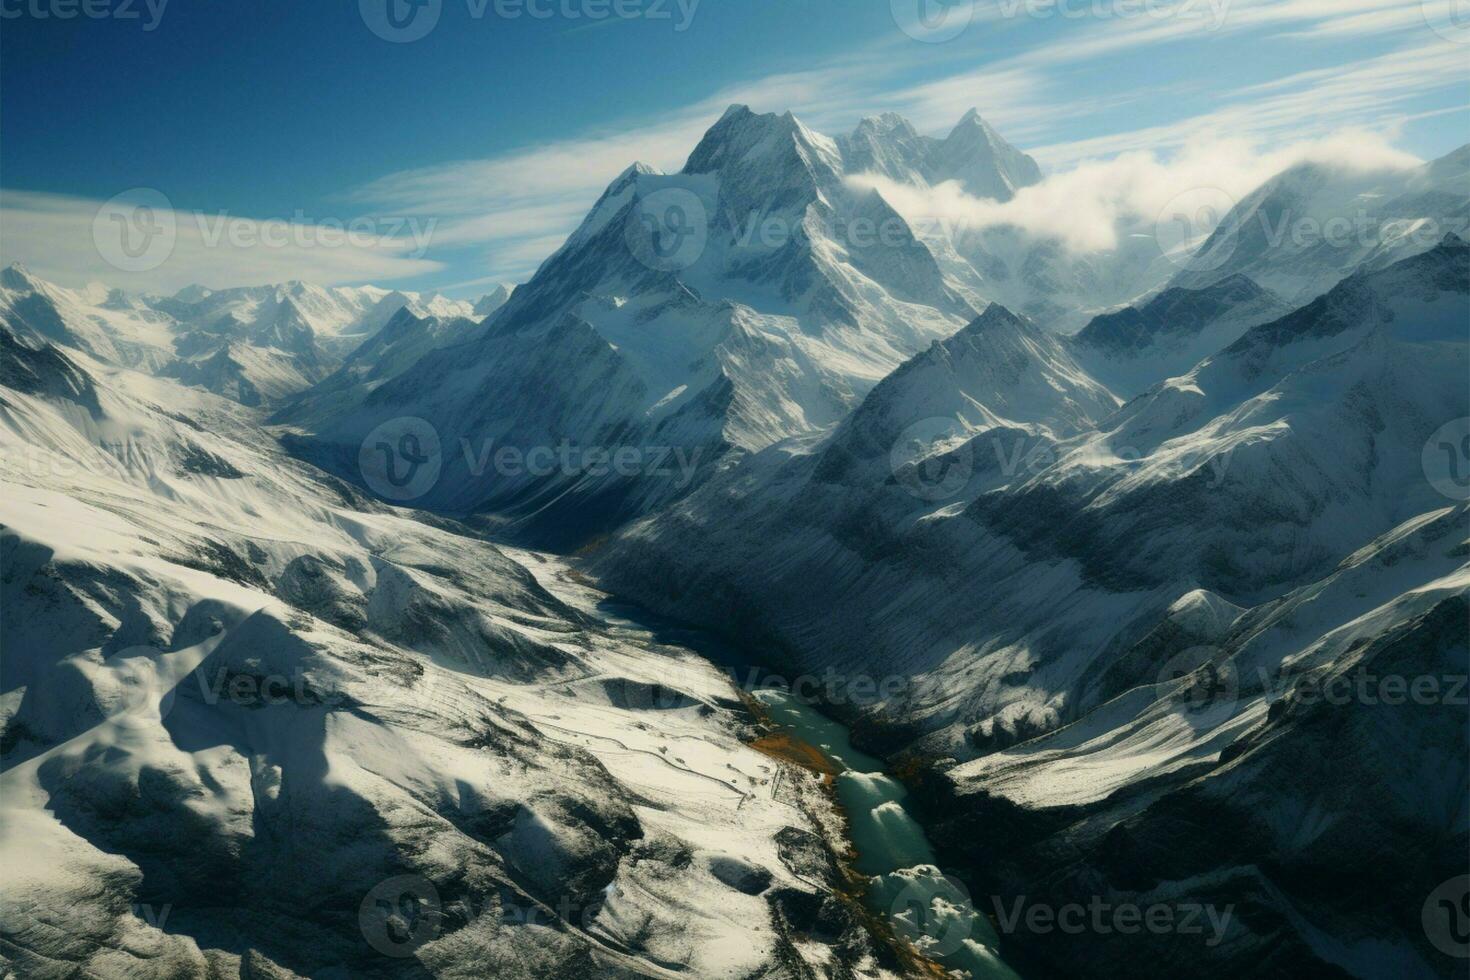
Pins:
x: 256, y: 725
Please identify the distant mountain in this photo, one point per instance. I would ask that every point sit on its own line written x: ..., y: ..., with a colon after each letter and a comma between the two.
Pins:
x: 973, y: 154
x: 493, y: 300
x: 1306, y: 228
x: 1001, y: 372
x: 386, y: 353
x: 117, y: 331
x: 340, y: 317
x: 259, y: 345
x: 253, y: 375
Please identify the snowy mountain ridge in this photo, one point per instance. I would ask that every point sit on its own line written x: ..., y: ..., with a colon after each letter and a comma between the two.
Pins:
x: 1038, y: 588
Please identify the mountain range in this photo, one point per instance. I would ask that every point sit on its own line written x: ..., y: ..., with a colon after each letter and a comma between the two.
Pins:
x: 312, y: 668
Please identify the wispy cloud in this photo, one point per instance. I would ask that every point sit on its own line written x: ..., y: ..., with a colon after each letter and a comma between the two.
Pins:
x: 497, y: 218
x: 1109, y: 27
x: 60, y: 238
x: 1092, y: 206
x: 515, y: 205
x: 517, y: 202
x: 1315, y: 103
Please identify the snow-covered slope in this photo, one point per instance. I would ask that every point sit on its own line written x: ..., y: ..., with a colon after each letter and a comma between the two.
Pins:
x: 251, y: 374
x: 107, y: 325
x: 394, y: 348
x: 1306, y: 228
x: 1138, y: 346
x: 254, y: 724
x: 1237, y: 769
x: 1264, y: 465
x: 712, y: 311
x: 1012, y: 576
x: 973, y: 154
x: 258, y: 345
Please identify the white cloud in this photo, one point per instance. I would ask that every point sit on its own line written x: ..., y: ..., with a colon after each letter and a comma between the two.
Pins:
x: 526, y: 200
x: 1309, y: 104
x: 1089, y: 207
x: 54, y: 236
x: 511, y: 210
x: 519, y: 202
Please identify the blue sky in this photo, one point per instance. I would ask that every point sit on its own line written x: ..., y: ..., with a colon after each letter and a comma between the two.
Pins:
x: 489, y: 136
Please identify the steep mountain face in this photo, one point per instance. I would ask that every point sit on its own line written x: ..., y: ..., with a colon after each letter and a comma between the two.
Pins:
x: 751, y: 297
x: 1138, y: 346
x: 1000, y: 372
x: 1307, y: 228
x: 254, y: 724
x: 1025, y: 577
x: 387, y: 309
x: 252, y: 375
